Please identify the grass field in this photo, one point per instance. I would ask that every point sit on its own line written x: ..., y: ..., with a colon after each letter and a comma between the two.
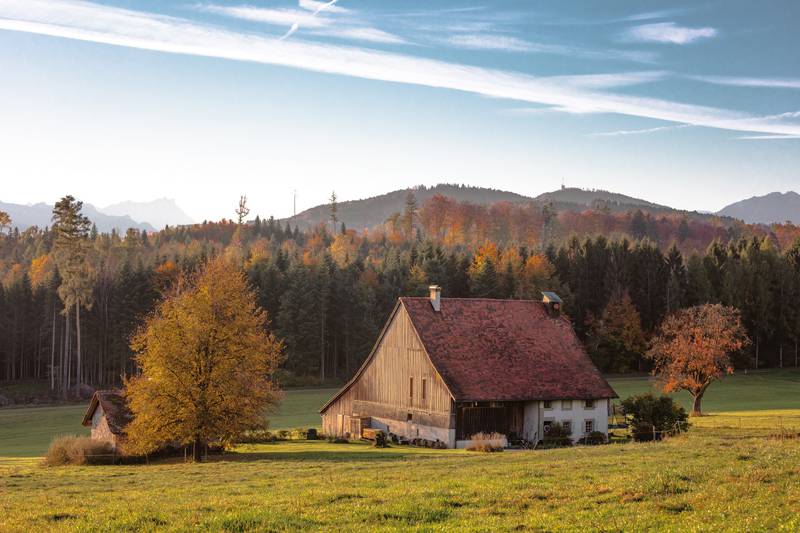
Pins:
x: 729, y: 472
x: 725, y: 474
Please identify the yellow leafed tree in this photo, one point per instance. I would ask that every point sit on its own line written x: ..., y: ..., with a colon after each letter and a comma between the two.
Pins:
x: 206, y: 362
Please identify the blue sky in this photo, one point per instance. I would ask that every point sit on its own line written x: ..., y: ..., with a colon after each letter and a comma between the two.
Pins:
x: 693, y: 105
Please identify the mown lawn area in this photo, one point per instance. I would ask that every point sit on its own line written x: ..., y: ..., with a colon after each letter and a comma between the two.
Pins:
x: 726, y: 474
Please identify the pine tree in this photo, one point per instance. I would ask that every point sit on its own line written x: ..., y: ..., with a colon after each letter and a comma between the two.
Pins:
x: 72, y: 229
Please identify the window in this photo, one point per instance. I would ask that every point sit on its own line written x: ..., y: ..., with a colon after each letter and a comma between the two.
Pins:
x: 424, y: 388
x: 411, y: 388
x: 408, y: 417
x: 567, y: 425
x: 588, y: 426
x: 548, y: 404
x: 547, y: 424
x: 566, y: 405
x: 588, y: 404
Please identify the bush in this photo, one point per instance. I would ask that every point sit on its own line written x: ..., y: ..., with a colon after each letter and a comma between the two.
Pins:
x: 487, y: 442
x: 311, y: 434
x: 593, y: 438
x: 73, y: 450
x: 557, y: 436
x: 380, y: 440
x: 652, y: 417
x: 299, y: 434
x: 257, y: 436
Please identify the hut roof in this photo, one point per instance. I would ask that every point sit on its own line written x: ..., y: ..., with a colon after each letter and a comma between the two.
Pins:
x: 115, y: 409
x: 505, y: 350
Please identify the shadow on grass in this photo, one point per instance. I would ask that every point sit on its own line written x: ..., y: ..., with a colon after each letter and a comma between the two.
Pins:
x: 327, y: 456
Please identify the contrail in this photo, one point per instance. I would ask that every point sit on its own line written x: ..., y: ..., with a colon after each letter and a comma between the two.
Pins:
x: 323, y: 7
x: 296, y: 25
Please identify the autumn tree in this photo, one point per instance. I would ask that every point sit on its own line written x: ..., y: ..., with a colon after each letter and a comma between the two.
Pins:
x: 693, y: 348
x: 205, y: 362
x: 5, y: 221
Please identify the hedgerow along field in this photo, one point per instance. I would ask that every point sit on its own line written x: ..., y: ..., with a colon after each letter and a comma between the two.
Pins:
x: 732, y: 471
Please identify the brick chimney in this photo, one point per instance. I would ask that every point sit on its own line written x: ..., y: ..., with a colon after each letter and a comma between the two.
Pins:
x: 552, y: 303
x: 436, y: 297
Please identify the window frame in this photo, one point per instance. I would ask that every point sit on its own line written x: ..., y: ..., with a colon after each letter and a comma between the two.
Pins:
x: 566, y: 405
x: 547, y: 404
x: 546, y: 424
x: 589, y: 404
x: 411, y: 387
x: 588, y: 422
x: 424, y: 390
x: 567, y: 425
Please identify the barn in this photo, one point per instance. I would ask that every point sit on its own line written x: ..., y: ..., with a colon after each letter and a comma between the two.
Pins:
x: 107, y: 415
x: 444, y: 369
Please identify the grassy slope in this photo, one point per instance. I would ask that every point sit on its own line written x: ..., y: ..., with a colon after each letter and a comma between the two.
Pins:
x: 718, y: 477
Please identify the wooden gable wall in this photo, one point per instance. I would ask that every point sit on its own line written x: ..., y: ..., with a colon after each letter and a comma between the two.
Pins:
x: 383, y: 387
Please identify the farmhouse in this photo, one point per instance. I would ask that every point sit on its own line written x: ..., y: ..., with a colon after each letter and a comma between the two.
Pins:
x: 447, y: 368
x: 107, y: 415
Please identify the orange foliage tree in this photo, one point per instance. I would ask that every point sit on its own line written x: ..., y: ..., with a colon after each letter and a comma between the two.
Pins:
x: 693, y: 348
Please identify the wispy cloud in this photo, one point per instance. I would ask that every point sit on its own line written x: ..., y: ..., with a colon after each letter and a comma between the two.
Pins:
x: 644, y: 131
x: 498, y: 42
x: 311, y: 17
x: 668, y: 32
x: 101, y: 24
x: 775, y: 83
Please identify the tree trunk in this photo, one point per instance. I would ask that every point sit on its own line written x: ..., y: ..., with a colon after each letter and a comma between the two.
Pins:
x: 696, y: 405
x: 78, y: 330
x: 197, y: 450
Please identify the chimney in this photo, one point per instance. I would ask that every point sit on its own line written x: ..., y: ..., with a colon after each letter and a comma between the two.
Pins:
x: 436, y: 297
x: 552, y: 303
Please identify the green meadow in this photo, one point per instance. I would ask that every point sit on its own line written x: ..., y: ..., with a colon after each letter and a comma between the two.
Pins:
x: 737, y: 469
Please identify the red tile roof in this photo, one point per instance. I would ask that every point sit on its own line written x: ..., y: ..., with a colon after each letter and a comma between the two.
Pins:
x: 505, y: 350
x: 115, y: 409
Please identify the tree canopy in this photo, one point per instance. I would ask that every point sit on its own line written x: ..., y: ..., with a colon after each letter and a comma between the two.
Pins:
x: 205, y: 364
x: 693, y: 348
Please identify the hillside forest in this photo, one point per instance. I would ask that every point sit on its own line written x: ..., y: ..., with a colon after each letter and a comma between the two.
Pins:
x: 71, y: 297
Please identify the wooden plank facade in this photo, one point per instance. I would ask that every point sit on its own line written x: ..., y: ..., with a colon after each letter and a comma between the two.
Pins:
x: 397, y: 384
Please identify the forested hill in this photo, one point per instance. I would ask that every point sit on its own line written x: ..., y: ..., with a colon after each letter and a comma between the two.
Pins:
x: 588, y: 198
x: 772, y: 208
x: 371, y: 212
x: 40, y: 215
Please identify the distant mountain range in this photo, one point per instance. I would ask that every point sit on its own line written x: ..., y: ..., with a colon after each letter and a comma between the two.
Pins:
x: 371, y: 212
x: 147, y: 216
x: 158, y: 213
x: 768, y: 209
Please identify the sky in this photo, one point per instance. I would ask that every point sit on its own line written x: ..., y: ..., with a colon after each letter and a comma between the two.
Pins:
x: 694, y: 105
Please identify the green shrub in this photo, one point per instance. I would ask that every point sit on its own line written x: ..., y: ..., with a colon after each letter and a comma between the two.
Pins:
x: 380, y: 439
x: 652, y: 417
x: 73, y: 450
x: 557, y: 436
x: 593, y: 438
